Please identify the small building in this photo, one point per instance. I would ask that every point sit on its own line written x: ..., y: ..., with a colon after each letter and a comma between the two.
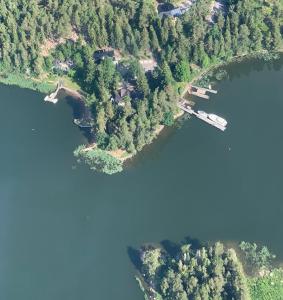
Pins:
x: 177, y: 11
x: 63, y: 66
x: 104, y: 53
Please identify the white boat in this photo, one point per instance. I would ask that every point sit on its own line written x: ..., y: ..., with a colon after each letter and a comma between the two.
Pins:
x: 202, y: 113
x: 217, y: 119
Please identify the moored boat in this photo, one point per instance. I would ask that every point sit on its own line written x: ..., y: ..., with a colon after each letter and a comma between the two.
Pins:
x: 217, y: 119
x: 202, y: 113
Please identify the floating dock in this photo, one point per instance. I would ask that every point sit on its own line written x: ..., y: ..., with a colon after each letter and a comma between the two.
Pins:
x: 53, y: 96
x: 204, y: 89
x: 198, y: 91
x: 187, y: 108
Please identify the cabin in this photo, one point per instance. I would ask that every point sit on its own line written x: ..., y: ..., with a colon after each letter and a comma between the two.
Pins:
x: 102, y: 54
x: 125, y: 90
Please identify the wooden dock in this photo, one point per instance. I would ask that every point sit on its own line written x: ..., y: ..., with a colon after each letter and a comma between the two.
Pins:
x: 205, y: 89
x: 198, y: 91
x: 199, y: 94
x: 183, y: 105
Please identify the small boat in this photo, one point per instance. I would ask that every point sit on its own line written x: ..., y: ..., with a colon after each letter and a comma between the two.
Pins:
x: 217, y: 119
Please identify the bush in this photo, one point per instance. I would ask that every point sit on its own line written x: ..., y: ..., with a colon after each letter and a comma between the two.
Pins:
x: 99, y: 160
x: 168, y: 119
x: 221, y: 74
x: 256, y: 256
x: 268, y: 287
x: 24, y: 82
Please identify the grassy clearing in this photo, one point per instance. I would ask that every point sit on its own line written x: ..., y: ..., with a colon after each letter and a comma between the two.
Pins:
x: 26, y: 82
x: 267, y: 287
x: 68, y: 82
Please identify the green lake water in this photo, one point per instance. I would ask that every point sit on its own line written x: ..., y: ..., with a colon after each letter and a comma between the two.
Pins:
x: 65, y: 231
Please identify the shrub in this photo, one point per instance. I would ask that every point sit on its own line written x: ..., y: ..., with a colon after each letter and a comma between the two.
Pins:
x: 99, y: 160
x: 256, y: 256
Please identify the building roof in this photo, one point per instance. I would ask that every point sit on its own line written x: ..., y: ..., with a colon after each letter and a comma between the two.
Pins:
x: 122, y: 92
x: 107, y: 52
x: 177, y: 11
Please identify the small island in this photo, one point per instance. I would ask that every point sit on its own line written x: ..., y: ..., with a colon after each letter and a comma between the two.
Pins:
x: 130, y: 61
x: 204, y: 272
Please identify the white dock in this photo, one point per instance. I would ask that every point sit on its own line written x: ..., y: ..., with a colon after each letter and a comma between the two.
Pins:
x: 187, y: 108
x: 53, y: 96
x: 205, y: 89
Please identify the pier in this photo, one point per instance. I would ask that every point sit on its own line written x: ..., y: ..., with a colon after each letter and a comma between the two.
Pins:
x: 198, y: 91
x: 53, y: 96
x: 183, y: 105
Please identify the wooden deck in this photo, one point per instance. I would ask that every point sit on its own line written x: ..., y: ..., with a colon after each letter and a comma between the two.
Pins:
x: 197, y: 91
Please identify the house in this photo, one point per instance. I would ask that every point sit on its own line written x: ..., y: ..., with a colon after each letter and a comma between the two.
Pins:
x: 63, y: 66
x: 148, y: 64
x: 102, y: 54
x: 177, y: 11
x: 107, y: 52
x: 124, y: 91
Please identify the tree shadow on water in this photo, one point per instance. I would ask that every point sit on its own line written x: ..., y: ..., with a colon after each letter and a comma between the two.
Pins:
x: 170, y: 247
x: 195, y: 243
x: 80, y: 111
x: 134, y: 256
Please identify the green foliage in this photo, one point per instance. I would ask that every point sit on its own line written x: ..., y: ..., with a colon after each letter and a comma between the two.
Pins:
x: 268, y: 286
x: 78, y: 29
x: 257, y: 257
x: 168, y: 119
x: 208, y: 272
x: 99, y: 160
x: 152, y: 260
x: 25, y: 82
x: 220, y: 74
x: 182, y: 71
x: 205, y: 272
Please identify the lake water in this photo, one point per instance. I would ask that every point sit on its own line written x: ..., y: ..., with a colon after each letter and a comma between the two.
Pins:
x: 65, y: 230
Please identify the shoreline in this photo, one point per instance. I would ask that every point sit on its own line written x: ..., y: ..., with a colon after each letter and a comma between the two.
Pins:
x: 267, y: 273
x: 73, y: 93
x: 46, y: 86
x: 233, y: 59
x: 120, y: 154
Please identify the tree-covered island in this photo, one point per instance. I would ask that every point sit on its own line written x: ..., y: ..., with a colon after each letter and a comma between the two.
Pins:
x: 191, y: 271
x: 132, y: 58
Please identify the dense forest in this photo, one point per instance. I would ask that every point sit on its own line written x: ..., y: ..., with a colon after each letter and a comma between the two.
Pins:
x: 100, y: 45
x: 192, y: 271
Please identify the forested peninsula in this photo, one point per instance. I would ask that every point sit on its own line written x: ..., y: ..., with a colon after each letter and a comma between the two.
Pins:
x: 131, y: 58
x: 194, y: 271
